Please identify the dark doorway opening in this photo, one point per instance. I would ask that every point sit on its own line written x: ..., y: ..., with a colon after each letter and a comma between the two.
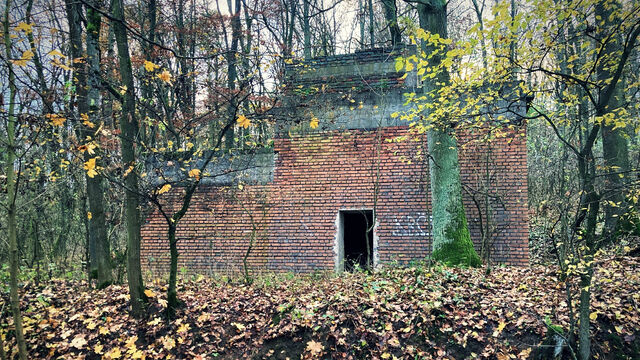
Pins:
x: 357, y: 232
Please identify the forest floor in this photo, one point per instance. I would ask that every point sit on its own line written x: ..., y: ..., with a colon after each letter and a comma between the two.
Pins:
x: 410, y: 313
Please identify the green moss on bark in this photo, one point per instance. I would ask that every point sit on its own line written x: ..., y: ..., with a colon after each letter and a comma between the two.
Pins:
x: 458, y: 250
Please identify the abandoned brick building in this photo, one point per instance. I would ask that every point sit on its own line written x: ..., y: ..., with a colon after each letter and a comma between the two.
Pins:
x: 313, y: 200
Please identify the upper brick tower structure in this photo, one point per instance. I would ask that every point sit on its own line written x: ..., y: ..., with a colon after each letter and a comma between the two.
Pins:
x: 353, y: 190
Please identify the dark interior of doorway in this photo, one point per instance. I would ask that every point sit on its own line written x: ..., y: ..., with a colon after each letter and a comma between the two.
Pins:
x: 358, y: 229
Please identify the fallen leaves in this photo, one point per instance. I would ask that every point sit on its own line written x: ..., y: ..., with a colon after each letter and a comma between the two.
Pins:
x: 399, y: 313
x: 114, y: 353
x: 499, y: 329
x: 78, y: 342
x: 239, y: 326
x: 315, y: 348
x: 183, y: 328
x: 168, y: 342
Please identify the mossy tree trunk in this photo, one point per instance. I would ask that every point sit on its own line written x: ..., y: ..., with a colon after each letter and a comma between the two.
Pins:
x: 615, y: 148
x: 451, y: 239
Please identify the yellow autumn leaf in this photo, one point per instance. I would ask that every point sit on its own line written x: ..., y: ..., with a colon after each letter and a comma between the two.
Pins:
x: 150, y: 292
x: 128, y: 171
x: 131, y: 342
x: 165, y: 76
x: 78, y: 342
x: 23, y: 26
x: 23, y: 60
x: 55, y: 62
x: 501, y: 326
x: 98, y: 349
x: 91, y: 148
x: 314, y: 122
x: 55, y: 119
x: 408, y: 66
x: 149, y: 66
x: 164, y: 189
x: 314, y: 347
x: 399, y: 64
x: 90, y: 166
x: 89, y: 216
x: 56, y: 53
x: 85, y: 120
x: 115, y: 353
x: 593, y: 315
x: 194, y: 173
x: 168, y: 343
x: 243, y: 121
x: 183, y: 328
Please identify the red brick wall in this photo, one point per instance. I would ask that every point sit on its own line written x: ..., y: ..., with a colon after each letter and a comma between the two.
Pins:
x: 318, y: 175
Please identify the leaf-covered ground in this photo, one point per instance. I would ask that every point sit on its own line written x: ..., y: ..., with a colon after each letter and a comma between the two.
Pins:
x: 410, y: 313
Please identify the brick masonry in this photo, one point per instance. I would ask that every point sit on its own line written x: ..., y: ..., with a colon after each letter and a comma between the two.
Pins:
x: 291, y: 220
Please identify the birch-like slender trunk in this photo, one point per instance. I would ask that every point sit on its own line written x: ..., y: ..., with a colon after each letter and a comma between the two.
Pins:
x: 12, y: 188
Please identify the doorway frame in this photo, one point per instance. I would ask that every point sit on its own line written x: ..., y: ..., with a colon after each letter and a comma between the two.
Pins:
x: 338, y: 244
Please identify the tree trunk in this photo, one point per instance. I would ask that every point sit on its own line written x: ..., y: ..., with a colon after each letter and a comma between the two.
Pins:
x: 391, y: 15
x: 479, y: 8
x: 88, y: 97
x: 232, y: 73
x: 451, y: 239
x: 372, y: 38
x: 306, y: 29
x: 362, y: 24
x: 584, y: 336
x: 147, y: 90
x: 14, y: 266
x: 614, y: 143
x: 172, y: 293
x: 98, y: 242
x: 128, y: 137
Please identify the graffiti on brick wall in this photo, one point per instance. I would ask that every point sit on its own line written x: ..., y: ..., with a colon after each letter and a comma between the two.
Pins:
x: 413, y: 224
